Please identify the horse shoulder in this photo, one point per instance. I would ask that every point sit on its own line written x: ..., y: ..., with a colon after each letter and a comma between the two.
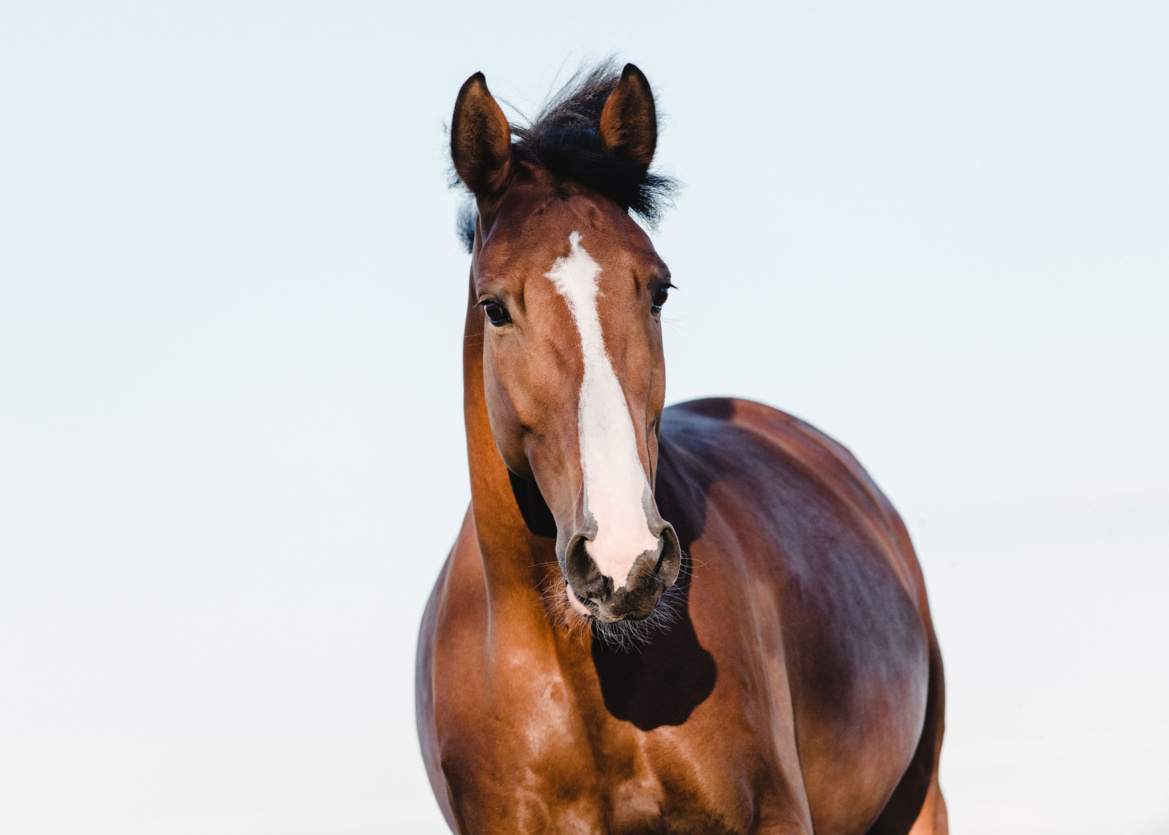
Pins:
x: 491, y: 695
x: 432, y: 701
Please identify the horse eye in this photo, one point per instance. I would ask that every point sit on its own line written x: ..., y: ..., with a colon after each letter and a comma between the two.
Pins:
x: 660, y: 297
x: 496, y: 314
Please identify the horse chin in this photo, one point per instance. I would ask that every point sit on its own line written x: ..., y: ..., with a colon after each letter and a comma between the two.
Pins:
x: 626, y: 606
x: 626, y: 632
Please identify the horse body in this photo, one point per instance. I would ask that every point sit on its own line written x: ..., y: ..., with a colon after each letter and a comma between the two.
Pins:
x: 788, y: 679
x: 744, y: 718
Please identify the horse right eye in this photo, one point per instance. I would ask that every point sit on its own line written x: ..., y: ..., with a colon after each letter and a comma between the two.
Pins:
x: 496, y: 314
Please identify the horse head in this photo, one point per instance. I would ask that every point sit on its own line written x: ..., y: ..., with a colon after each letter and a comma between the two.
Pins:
x: 570, y: 290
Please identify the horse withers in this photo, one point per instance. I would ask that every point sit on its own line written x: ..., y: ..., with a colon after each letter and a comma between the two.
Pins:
x: 701, y: 619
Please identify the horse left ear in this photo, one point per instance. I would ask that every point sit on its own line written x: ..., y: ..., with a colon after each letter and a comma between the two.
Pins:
x: 629, y: 121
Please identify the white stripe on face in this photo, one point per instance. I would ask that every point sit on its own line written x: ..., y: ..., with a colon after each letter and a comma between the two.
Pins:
x: 615, y: 487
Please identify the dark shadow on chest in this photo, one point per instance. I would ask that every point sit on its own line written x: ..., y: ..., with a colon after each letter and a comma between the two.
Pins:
x: 661, y: 682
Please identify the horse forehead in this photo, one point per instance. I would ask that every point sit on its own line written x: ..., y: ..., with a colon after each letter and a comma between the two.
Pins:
x: 532, y: 228
x: 529, y: 259
x: 527, y: 242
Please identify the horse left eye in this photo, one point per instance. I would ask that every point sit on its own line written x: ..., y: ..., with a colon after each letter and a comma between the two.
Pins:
x: 660, y: 297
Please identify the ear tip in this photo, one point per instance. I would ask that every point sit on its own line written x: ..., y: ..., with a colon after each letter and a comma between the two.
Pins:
x: 475, y: 80
x: 632, y: 70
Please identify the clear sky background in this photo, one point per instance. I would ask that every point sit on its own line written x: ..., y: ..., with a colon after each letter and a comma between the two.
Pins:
x: 231, y: 306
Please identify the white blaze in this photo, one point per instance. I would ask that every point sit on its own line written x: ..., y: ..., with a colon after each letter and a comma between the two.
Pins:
x: 615, y: 487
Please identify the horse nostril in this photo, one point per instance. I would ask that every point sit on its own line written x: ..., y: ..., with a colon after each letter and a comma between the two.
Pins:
x: 583, y: 575
x: 670, y: 561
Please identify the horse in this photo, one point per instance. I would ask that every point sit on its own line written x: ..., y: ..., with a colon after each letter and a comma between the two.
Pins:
x: 697, y: 619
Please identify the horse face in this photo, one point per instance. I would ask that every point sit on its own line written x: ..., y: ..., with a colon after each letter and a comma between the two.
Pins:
x: 570, y: 290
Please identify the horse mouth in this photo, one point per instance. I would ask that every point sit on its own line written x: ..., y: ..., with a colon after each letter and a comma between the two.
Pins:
x: 590, y: 609
x: 579, y: 604
x: 597, y: 613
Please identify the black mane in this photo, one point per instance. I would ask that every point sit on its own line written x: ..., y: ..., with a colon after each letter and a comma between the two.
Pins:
x: 564, y: 138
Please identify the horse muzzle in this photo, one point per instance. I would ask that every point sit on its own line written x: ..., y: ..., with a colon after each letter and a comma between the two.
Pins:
x: 599, y: 596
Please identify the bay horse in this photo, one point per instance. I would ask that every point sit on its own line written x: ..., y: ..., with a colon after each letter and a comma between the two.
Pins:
x: 701, y: 619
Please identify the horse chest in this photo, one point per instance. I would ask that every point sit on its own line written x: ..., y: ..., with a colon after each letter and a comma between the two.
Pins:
x: 557, y: 765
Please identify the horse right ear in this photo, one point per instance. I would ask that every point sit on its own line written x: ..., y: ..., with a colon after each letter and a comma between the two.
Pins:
x: 480, y: 138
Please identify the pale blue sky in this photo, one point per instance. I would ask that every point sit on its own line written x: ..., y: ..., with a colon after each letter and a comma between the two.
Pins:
x: 231, y: 304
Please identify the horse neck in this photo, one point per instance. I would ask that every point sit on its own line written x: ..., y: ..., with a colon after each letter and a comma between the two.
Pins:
x: 516, y: 562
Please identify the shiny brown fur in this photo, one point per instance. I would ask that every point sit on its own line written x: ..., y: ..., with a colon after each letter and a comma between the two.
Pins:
x: 798, y: 687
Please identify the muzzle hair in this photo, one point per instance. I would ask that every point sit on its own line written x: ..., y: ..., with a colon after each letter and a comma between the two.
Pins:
x: 626, y: 635
x: 630, y: 635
